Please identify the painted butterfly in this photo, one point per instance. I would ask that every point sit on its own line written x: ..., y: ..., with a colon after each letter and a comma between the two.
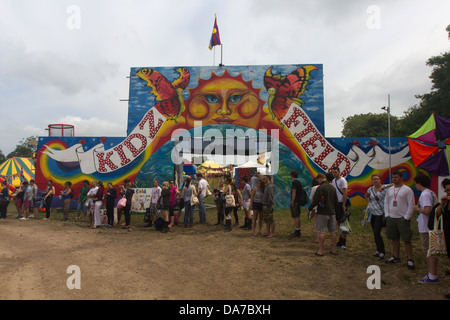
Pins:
x: 170, y: 94
x: 285, y: 90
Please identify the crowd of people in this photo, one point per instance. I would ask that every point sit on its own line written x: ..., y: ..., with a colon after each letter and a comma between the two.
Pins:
x: 390, y: 206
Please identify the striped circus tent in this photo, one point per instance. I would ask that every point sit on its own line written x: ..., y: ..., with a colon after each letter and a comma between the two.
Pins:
x: 15, y: 170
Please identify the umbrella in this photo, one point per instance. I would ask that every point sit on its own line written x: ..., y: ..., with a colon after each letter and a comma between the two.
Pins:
x: 15, y: 170
x: 430, y: 145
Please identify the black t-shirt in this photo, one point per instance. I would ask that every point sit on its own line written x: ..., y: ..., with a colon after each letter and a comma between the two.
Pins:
x: 165, y: 195
x: 111, y: 195
x: 129, y: 195
x: 297, y: 186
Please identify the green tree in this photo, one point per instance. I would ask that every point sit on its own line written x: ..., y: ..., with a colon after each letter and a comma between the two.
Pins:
x: 26, y: 148
x: 437, y: 101
x: 368, y: 125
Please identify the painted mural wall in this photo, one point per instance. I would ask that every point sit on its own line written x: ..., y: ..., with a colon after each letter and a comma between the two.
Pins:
x: 173, y: 111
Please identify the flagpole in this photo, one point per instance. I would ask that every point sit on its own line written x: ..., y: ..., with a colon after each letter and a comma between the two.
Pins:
x: 221, y: 55
x: 214, y: 56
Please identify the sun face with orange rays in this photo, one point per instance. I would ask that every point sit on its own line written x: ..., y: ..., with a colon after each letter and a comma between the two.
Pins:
x: 224, y: 100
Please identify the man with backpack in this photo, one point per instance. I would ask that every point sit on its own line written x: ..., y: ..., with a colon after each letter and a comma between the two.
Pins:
x: 298, y: 199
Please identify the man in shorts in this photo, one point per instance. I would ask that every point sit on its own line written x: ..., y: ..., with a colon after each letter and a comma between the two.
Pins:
x: 399, y: 208
x: 325, y: 199
x: 267, y: 203
x: 424, y: 206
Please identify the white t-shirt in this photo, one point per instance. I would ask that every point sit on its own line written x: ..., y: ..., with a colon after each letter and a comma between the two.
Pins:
x: 92, y: 191
x: 156, y: 193
x: 399, y: 202
x: 426, y: 199
x: 340, y: 183
x: 203, y: 185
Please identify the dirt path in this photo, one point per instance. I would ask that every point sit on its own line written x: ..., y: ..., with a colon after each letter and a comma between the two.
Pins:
x: 196, y: 263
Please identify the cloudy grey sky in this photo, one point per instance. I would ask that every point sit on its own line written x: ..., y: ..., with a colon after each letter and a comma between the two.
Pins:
x: 67, y: 61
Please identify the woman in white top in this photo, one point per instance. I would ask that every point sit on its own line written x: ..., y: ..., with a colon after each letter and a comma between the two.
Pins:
x: 375, y: 196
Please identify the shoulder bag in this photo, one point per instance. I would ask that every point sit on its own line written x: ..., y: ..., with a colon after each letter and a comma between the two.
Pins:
x: 437, y: 247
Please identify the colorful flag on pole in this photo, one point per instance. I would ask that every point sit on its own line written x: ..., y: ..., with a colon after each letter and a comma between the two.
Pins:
x: 215, y: 37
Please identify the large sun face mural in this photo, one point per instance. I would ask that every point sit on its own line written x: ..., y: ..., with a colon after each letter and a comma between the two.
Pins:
x: 284, y: 103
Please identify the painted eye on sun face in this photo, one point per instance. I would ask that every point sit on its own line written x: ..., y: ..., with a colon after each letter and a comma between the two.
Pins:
x: 212, y: 98
x: 235, y: 98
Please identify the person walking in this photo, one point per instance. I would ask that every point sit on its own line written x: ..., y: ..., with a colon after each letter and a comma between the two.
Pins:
x: 187, y: 193
x: 203, y: 186
x: 326, y: 201
x: 296, y: 192
x: 268, y: 201
x: 340, y: 184
x: 256, y: 206
x: 110, y: 198
x: 399, y: 208
x: 4, y: 200
x: 48, y: 199
x: 375, y: 197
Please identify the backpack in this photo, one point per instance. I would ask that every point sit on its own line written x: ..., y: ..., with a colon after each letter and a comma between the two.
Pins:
x: 72, y: 193
x: 303, y: 197
x: 159, y: 222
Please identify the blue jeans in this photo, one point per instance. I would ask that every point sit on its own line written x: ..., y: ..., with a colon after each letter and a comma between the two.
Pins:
x: 82, y: 207
x: 201, y: 209
x: 188, y: 213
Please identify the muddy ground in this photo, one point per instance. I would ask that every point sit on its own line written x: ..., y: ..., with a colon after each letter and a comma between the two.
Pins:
x: 199, y: 263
